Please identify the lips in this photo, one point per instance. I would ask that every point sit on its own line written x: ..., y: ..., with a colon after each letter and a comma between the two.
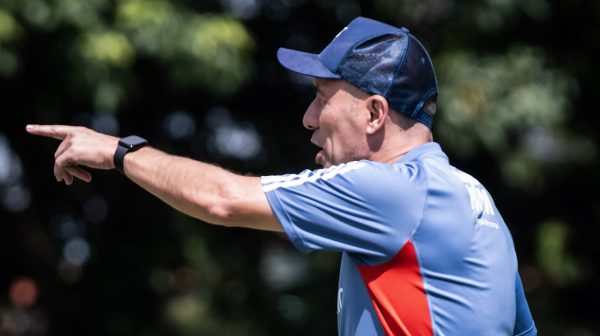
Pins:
x: 314, y: 141
x: 320, y: 157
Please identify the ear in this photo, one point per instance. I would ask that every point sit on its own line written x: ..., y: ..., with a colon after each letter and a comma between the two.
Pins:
x: 378, y: 113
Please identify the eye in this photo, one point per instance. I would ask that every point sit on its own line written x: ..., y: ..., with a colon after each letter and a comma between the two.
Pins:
x: 320, y: 97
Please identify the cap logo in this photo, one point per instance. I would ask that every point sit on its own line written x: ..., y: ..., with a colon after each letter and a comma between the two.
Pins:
x: 340, y: 33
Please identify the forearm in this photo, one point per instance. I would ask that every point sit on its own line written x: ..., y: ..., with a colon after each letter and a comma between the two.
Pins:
x: 201, y: 190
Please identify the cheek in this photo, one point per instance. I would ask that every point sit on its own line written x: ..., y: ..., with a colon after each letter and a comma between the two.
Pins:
x: 349, y: 142
x: 343, y: 140
x: 340, y: 127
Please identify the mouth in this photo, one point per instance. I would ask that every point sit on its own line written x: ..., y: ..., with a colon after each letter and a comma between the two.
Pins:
x: 320, y: 156
x: 314, y: 141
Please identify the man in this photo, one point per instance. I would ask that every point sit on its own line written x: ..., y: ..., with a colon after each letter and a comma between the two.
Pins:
x: 424, y: 249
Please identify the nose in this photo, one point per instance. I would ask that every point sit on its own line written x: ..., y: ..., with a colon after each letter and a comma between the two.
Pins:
x: 311, y: 117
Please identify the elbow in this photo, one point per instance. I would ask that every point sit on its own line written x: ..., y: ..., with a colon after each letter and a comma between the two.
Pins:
x: 239, y: 213
x: 221, y: 213
x: 212, y: 208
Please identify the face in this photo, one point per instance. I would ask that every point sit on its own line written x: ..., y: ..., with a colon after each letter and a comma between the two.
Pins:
x: 337, y: 118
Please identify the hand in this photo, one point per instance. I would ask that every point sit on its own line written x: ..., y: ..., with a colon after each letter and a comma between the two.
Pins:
x: 79, y: 146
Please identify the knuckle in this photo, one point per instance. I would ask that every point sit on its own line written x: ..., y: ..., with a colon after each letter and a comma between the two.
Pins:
x: 67, y: 141
x: 61, y: 161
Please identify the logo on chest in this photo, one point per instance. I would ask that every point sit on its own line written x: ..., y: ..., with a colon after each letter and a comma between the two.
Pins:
x: 339, y: 299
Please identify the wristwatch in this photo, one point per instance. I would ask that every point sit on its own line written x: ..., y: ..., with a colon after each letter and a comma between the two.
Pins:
x: 127, y: 144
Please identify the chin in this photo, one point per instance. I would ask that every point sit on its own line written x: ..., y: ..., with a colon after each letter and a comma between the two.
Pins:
x: 323, y: 164
x: 320, y: 160
x: 327, y: 163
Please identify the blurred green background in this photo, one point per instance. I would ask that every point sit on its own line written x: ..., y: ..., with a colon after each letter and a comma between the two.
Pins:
x: 517, y: 109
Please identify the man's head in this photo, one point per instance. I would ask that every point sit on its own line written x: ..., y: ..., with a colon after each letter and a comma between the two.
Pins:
x: 369, y: 70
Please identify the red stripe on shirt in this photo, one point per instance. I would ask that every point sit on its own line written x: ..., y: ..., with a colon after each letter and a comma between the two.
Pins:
x: 398, y: 294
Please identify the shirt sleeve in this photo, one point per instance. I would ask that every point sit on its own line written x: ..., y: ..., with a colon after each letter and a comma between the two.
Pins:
x: 364, y: 208
x: 524, y: 324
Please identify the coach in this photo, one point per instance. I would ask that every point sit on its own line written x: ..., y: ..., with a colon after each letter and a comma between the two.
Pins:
x: 424, y: 248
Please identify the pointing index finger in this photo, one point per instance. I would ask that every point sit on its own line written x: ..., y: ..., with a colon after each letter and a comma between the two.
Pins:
x: 58, y: 132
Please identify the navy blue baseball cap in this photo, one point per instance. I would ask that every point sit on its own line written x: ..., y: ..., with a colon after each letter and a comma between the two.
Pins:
x: 377, y: 58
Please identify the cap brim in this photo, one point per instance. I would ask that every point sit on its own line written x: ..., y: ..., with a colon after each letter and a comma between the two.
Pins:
x: 304, y: 63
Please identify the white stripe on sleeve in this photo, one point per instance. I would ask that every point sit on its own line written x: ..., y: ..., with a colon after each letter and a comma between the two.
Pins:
x: 271, y: 182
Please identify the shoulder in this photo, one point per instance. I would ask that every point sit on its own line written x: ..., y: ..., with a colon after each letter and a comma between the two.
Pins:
x: 358, y: 173
x: 311, y: 177
x: 381, y: 183
x: 384, y: 175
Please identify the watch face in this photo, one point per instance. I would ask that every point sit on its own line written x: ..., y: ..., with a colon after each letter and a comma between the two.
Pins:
x: 133, y: 141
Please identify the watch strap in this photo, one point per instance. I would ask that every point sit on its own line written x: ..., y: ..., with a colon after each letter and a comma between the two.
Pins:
x: 120, y: 157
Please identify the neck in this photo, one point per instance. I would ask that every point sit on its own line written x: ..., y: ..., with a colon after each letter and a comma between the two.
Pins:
x: 399, y: 142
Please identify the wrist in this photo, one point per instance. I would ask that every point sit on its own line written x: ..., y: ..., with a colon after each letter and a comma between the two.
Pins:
x: 127, y: 145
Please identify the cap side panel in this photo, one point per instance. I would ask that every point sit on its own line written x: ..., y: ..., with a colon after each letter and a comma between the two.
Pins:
x: 359, y: 30
x: 413, y: 83
x: 371, y: 64
x: 400, y: 65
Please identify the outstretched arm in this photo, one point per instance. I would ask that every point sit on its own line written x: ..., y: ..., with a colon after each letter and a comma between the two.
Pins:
x: 201, y: 190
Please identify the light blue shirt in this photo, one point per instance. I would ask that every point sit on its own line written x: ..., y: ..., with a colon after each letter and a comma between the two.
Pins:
x: 424, y: 248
